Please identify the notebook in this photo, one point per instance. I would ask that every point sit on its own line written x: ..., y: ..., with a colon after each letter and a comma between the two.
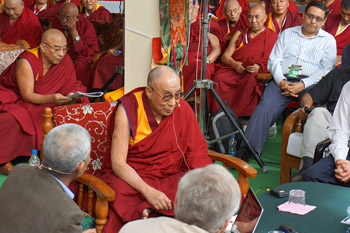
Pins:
x: 248, y: 216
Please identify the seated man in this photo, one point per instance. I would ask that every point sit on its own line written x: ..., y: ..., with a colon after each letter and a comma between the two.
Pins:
x: 325, y: 92
x: 337, y: 26
x: 192, y: 71
x: 152, y: 148
x: 43, y: 76
x: 44, y: 9
x: 300, y: 57
x: 206, y: 199
x: 43, y: 190
x: 335, y: 169
x: 235, y: 20
x: 281, y: 17
x: 220, y: 12
x: 81, y: 39
x: 345, y: 57
x: 93, y: 11
x: 19, y: 23
x: 246, y: 55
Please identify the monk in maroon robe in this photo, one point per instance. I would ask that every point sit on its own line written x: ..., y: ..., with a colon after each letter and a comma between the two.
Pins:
x: 44, y: 9
x: 42, y: 76
x: 235, y: 20
x: 93, y: 11
x: 195, y: 51
x: 19, y: 23
x: 152, y: 148
x: 81, y: 39
x: 219, y: 12
x: 292, y: 7
x: 281, y: 17
x: 338, y: 26
x: 246, y: 55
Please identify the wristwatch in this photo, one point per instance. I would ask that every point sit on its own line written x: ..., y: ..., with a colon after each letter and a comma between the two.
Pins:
x: 76, y: 39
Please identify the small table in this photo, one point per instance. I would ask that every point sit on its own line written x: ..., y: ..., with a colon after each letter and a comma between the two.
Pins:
x: 331, y: 201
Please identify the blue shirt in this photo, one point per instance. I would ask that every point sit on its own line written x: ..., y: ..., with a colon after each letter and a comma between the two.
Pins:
x: 316, y: 54
x: 65, y: 188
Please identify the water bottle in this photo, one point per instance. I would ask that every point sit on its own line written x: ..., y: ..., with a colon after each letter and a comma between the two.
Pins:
x: 232, y: 145
x: 34, y: 159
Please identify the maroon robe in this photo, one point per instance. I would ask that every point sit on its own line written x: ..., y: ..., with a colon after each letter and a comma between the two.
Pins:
x: 291, y: 19
x: 83, y: 51
x: 243, y: 91
x: 227, y: 30
x: 157, y: 159
x: 27, y: 27
x: 189, y: 71
x: 20, y: 121
x: 334, y: 8
x: 48, y: 13
x: 292, y: 7
x: 100, y: 14
x: 331, y: 27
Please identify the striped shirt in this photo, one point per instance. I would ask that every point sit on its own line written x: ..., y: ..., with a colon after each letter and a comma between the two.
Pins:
x: 316, y: 54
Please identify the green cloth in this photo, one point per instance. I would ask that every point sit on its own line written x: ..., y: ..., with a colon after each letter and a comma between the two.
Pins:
x: 331, y: 202
x: 88, y: 222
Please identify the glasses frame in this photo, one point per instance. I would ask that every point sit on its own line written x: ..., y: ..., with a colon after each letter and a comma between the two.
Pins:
x: 57, y: 49
x: 168, y: 97
x: 311, y: 17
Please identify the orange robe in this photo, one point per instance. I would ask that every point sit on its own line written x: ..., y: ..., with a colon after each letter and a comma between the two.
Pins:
x: 243, y: 91
x: 291, y: 19
x: 154, y: 152
x: 342, y: 37
x: 81, y: 52
x: 27, y: 27
x: 20, y: 121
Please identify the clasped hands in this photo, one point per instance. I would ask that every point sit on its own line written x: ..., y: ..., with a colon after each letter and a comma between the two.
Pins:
x: 239, y: 68
x: 342, y: 171
x: 291, y: 89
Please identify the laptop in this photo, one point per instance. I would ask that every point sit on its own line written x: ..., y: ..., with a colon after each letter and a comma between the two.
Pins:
x: 248, y: 216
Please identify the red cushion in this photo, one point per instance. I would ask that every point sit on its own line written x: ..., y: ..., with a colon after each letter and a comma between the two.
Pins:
x: 293, y: 104
x: 98, y: 119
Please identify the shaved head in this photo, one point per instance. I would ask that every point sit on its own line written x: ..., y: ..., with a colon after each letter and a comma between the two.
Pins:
x: 13, y: 9
x: 18, y: 2
x: 69, y: 8
x: 257, y: 8
x: 230, y: 2
x: 52, y: 34
x: 160, y: 72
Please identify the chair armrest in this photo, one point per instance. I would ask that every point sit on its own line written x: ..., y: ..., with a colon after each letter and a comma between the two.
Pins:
x: 319, y: 149
x: 101, y: 188
x: 242, y: 167
x: 263, y: 76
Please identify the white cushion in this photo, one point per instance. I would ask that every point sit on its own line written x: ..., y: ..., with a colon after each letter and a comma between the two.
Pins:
x: 294, y: 142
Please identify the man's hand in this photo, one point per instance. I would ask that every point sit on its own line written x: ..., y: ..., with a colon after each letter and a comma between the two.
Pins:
x: 253, y: 69
x: 92, y: 230
x: 71, y: 25
x: 157, y: 199
x: 342, y: 171
x: 237, y: 66
x: 60, y: 99
x: 291, y: 89
x: 302, y: 114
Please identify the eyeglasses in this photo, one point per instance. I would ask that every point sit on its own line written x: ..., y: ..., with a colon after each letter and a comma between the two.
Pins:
x: 57, y: 49
x: 65, y: 18
x: 312, y: 17
x: 231, y: 12
x: 168, y: 97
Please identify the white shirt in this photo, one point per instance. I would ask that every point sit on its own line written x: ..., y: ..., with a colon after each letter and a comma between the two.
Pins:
x: 339, y: 129
x: 316, y: 54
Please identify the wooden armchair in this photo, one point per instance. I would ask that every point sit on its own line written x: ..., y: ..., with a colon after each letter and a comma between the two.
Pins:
x: 95, y: 119
x: 290, y: 155
x: 245, y: 171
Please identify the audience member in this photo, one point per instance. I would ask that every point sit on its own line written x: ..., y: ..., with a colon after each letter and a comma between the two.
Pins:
x: 220, y: 9
x: 192, y: 71
x: 291, y: 6
x: 345, y: 60
x: 337, y: 26
x: 335, y: 169
x: 206, y: 199
x: 44, y: 9
x: 246, y: 55
x: 333, y: 6
x: 42, y: 76
x: 299, y: 59
x: 93, y: 11
x: 37, y: 199
x: 19, y: 23
x: 235, y: 20
x: 152, y: 148
x: 81, y: 38
x: 325, y: 92
x: 281, y: 17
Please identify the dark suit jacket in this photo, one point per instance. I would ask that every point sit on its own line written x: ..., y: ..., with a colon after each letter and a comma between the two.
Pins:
x: 33, y: 201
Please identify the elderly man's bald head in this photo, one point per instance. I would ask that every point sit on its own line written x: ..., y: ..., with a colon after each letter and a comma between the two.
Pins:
x: 160, y: 72
x: 257, y: 8
x: 69, y: 8
x: 13, y: 9
x: 228, y: 2
x: 51, y: 35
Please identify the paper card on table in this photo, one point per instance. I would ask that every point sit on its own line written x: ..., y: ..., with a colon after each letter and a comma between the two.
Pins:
x: 296, y: 208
